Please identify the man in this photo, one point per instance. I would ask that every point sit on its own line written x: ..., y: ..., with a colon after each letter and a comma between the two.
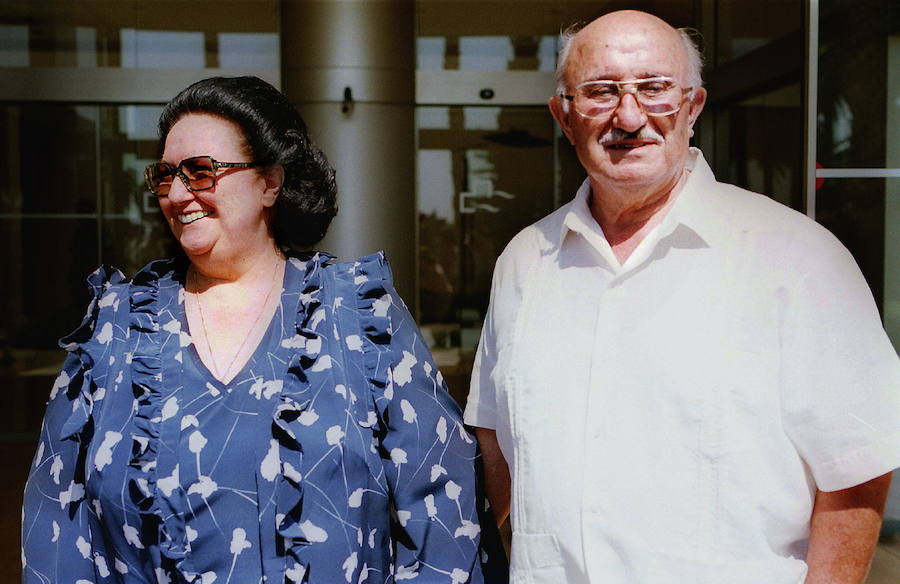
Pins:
x: 678, y: 381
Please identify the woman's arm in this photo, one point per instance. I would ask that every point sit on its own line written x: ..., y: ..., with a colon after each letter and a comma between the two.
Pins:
x: 429, y: 461
x: 55, y: 535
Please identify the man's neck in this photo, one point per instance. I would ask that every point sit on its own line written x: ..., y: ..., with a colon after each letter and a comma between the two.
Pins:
x: 626, y: 217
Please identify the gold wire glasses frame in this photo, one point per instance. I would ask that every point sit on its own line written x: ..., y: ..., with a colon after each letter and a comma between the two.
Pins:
x: 198, y: 173
x: 657, y: 96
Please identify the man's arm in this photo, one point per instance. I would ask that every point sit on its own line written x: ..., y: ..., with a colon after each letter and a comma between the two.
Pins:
x: 496, y: 473
x: 844, y: 532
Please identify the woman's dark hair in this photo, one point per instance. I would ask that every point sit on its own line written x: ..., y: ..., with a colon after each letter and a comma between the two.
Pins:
x: 274, y: 134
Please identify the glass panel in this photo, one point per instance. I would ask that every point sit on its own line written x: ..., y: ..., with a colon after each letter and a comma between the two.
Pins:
x: 744, y: 27
x: 44, y: 176
x: 140, y: 33
x: 483, y: 174
x: 852, y: 98
x: 474, y: 35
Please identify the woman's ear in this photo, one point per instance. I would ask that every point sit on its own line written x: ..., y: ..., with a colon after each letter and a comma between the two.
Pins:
x: 274, y: 177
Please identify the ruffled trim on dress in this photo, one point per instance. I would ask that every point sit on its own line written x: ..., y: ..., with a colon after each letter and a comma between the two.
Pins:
x: 307, y: 365
x: 84, y: 344
x: 157, y: 509
x: 373, y: 304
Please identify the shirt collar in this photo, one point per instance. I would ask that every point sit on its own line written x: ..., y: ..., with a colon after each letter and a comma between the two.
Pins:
x: 694, y: 208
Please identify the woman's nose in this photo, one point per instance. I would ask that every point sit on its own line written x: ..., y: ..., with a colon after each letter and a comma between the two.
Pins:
x: 178, y: 191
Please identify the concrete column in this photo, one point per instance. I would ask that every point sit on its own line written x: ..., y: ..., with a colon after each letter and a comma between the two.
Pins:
x: 349, y: 66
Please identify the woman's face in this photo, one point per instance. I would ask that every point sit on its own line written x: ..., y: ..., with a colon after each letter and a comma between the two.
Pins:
x: 230, y: 218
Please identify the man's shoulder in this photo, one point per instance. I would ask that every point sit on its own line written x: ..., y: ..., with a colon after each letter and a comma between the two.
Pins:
x: 778, y: 228
x: 537, y: 239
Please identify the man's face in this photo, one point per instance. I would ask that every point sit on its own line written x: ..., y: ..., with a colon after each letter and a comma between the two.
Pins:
x: 627, y: 149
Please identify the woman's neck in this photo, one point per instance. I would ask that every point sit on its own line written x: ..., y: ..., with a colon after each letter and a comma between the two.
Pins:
x: 248, y: 265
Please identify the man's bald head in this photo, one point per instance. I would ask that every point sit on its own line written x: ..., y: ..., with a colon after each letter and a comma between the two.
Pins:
x: 624, y: 20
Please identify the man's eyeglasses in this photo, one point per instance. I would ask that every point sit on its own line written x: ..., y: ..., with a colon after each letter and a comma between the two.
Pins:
x: 198, y: 173
x: 658, y: 96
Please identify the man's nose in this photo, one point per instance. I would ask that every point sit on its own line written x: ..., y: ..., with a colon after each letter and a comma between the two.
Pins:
x: 629, y: 115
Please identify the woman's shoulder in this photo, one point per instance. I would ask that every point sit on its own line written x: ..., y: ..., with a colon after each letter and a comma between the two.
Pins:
x: 369, y: 268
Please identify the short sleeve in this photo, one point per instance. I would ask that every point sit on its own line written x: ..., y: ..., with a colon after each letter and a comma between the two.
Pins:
x: 481, y: 405
x: 840, y: 374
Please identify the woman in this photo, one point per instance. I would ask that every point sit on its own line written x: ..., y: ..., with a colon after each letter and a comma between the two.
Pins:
x: 249, y: 412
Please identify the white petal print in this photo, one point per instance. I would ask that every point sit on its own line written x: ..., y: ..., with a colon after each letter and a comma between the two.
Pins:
x: 104, y: 453
x: 403, y: 370
x: 291, y: 472
x: 333, y: 435
x: 75, y: 492
x: 355, y: 499
x: 403, y: 517
x: 398, y: 456
x: 191, y: 533
x: 239, y: 541
x: 409, y: 412
x: 107, y: 299
x: 427, y: 367
x: 341, y: 390
x: 172, y: 326
x: 458, y: 576
x: 102, y: 567
x: 62, y: 381
x: 354, y: 343
x: 468, y: 529
x: 39, y: 456
x: 170, y: 408
x: 269, y: 466
x: 204, y: 487
x: 323, y: 363
x: 83, y: 547
x: 442, y: 430
x: 313, y: 346
x: 313, y: 532
x: 169, y: 483
x: 121, y: 567
x: 430, y: 509
x: 364, y: 574
x: 295, y: 342
x: 106, y: 333
x: 296, y: 573
x: 55, y: 467
x: 453, y: 490
x: 407, y: 573
x: 380, y: 307
x: 463, y: 434
x: 132, y: 536
x: 308, y: 418
x: 349, y: 566
x: 189, y: 420
x: 207, y: 577
x: 196, y: 442
x: 55, y: 537
x: 372, y: 538
x: 436, y: 471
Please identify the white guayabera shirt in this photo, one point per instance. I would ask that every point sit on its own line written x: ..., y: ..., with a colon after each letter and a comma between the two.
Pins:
x: 669, y: 420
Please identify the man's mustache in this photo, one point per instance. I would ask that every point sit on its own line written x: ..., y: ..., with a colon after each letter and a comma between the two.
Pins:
x: 618, y: 135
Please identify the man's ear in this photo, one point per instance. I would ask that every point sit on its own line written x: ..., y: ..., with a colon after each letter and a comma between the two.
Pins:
x: 560, y: 109
x: 274, y: 177
x: 698, y: 100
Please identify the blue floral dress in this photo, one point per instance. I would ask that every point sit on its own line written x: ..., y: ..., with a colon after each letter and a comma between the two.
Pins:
x: 335, y: 455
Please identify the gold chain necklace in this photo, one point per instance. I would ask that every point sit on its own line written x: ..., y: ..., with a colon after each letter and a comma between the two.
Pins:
x: 259, y: 314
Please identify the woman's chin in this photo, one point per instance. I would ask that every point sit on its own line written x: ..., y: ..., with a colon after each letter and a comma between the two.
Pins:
x: 195, y: 246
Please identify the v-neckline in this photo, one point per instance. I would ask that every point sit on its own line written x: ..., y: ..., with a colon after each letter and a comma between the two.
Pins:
x: 264, y: 341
